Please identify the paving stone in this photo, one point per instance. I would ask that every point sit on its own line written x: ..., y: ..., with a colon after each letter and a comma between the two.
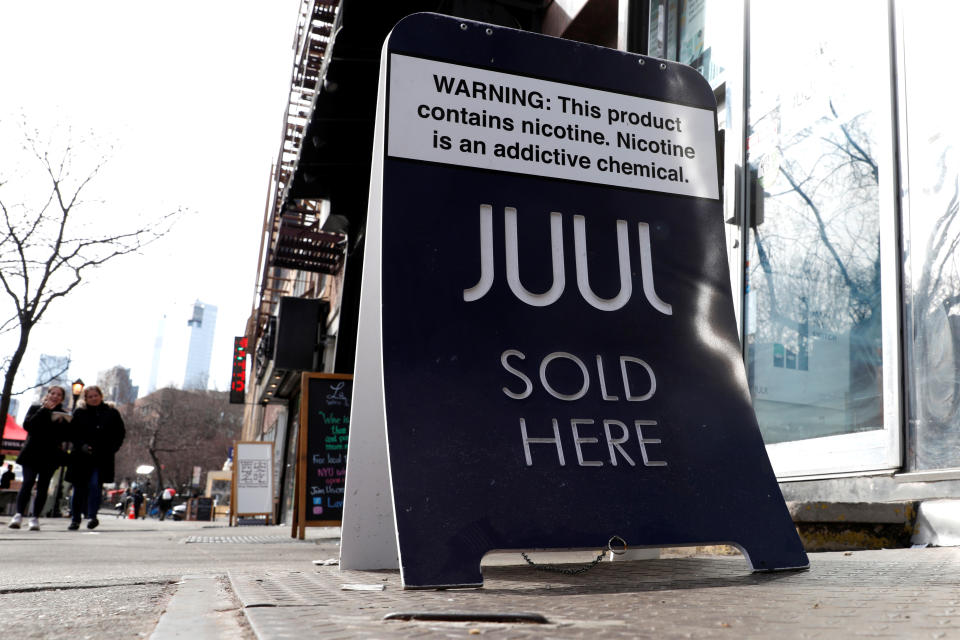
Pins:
x: 873, y: 594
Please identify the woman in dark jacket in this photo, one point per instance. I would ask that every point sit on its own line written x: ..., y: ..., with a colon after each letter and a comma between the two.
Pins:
x: 97, y: 432
x: 42, y: 453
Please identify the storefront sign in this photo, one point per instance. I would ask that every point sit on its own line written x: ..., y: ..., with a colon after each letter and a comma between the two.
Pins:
x: 238, y: 382
x: 547, y: 283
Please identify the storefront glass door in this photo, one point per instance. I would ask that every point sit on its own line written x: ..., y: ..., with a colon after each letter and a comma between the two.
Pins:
x: 930, y: 143
x: 820, y: 315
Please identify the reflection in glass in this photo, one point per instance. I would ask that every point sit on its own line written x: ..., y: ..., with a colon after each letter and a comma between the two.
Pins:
x: 931, y: 239
x: 812, y: 308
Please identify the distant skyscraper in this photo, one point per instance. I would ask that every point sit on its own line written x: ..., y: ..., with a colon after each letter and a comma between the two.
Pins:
x: 201, y: 325
x: 157, y: 350
x: 14, y: 407
x: 50, y: 371
x: 117, y: 386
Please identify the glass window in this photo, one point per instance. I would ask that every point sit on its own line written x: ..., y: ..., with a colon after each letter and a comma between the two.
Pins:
x: 931, y: 236
x: 662, y: 19
x: 695, y: 33
x: 818, y: 71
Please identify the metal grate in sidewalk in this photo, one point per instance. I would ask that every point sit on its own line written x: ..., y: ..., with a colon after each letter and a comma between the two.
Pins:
x: 288, y: 589
x: 238, y: 540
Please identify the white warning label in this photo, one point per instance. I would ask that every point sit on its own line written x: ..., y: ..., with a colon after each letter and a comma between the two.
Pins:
x: 464, y: 116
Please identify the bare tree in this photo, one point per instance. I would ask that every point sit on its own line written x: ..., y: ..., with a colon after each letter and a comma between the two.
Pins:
x: 828, y: 205
x: 932, y: 324
x: 818, y: 263
x: 178, y: 430
x: 831, y: 201
x: 47, y: 246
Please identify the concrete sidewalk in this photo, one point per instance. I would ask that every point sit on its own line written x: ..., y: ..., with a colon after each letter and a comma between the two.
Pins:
x: 207, y: 580
x: 902, y: 593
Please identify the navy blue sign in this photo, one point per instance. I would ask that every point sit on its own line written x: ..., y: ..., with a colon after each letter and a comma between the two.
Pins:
x: 561, y: 362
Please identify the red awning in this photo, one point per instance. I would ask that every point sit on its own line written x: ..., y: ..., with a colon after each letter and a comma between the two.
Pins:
x: 13, y: 437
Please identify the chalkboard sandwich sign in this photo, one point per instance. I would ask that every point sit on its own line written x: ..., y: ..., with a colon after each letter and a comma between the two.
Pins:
x: 566, y: 367
x: 322, y: 450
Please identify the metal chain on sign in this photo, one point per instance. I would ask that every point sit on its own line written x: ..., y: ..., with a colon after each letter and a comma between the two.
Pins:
x: 573, y: 572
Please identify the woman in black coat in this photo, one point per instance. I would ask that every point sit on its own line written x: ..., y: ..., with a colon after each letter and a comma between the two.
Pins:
x: 42, y: 453
x: 97, y: 432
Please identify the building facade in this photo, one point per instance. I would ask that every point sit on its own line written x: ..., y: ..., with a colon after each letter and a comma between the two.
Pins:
x: 117, y: 386
x: 840, y: 182
x: 51, y: 370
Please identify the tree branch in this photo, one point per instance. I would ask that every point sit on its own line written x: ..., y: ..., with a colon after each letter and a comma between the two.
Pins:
x: 822, y: 231
x: 41, y: 261
x: 864, y: 156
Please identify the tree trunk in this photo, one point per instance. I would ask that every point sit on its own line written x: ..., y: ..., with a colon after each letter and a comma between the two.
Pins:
x: 12, y: 373
x: 157, y: 467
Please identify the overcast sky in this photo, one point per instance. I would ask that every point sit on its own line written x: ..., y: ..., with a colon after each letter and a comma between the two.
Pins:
x: 189, y: 97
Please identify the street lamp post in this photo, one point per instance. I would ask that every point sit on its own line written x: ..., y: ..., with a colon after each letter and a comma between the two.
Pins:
x: 76, y: 389
x: 143, y: 470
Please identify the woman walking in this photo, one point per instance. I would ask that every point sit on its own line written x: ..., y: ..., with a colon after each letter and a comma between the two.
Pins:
x: 42, y: 453
x: 97, y: 432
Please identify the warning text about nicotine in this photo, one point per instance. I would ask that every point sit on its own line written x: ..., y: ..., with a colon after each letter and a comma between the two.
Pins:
x: 470, y: 117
